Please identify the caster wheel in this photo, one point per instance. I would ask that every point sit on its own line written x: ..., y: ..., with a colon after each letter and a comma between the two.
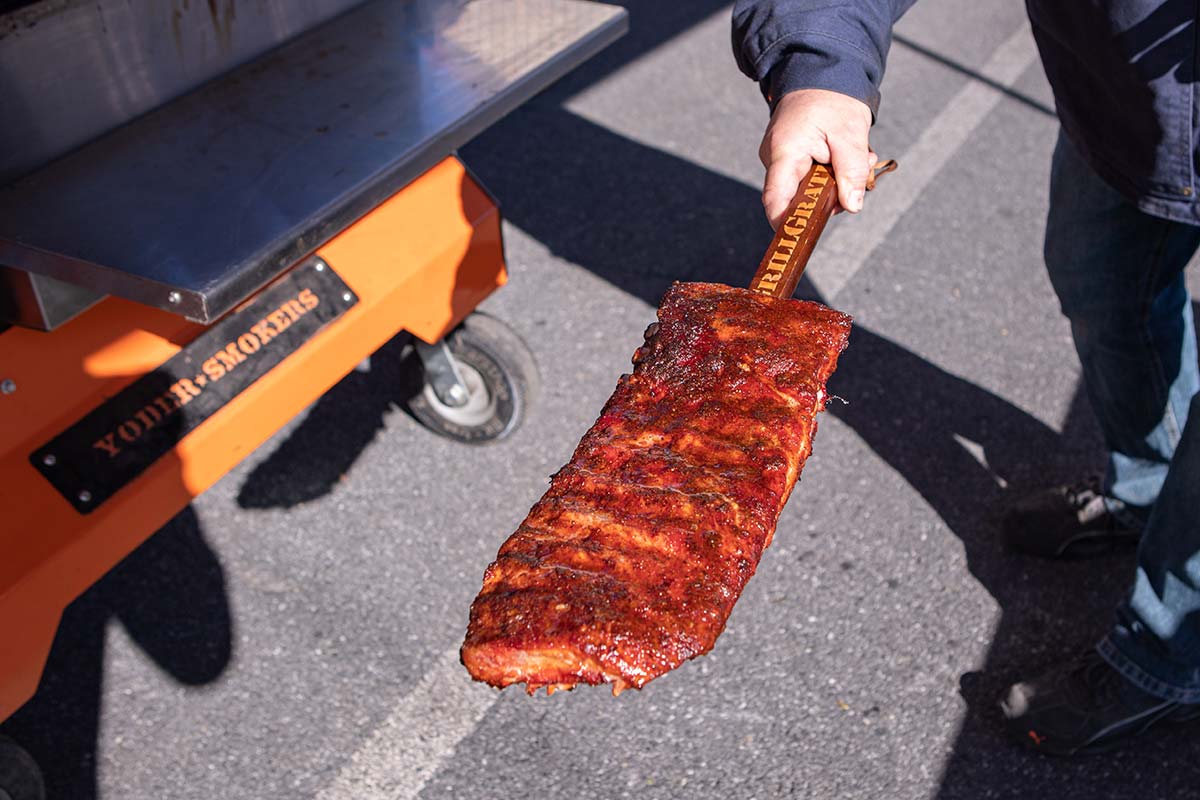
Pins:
x: 20, y: 778
x: 501, y: 378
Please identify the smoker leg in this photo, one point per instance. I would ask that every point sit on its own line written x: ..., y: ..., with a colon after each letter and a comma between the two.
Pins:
x: 442, y: 373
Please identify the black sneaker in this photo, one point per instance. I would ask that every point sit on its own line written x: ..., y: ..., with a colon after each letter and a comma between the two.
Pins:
x: 1085, y: 707
x: 1067, y: 522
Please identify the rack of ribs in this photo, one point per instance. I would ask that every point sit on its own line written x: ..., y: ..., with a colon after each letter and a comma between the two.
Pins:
x: 631, y: 562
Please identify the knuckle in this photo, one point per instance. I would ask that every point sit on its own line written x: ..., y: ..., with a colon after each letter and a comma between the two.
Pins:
x: 856, y: 174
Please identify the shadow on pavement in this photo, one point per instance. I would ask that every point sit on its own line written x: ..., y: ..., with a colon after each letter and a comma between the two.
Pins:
x: 169, y: 596
x: 641, y: 218
x: 319, y: 452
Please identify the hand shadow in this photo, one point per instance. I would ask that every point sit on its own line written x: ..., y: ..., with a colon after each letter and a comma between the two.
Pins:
x: 169, y: 595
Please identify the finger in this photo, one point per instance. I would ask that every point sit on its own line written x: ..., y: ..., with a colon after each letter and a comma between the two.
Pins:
x: 850, y: 159
x: 779, y: 188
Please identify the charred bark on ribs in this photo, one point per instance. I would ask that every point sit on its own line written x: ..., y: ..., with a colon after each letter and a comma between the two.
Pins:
x: 632, y: 561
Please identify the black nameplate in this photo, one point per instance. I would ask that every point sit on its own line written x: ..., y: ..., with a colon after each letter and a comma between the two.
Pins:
x: 101, y: 453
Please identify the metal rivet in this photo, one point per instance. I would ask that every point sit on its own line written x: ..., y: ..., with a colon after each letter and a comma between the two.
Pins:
x: 49, y: 460
x: 320, y: 267
x: 8, y: 386
x: 347, y: 296
x: 85, y: 496
x: 173, y: 298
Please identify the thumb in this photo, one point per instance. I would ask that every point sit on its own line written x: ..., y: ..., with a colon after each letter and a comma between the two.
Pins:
x: 850, y: 158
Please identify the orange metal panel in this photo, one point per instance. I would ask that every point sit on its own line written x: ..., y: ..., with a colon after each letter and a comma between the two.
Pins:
x: 437, y: 300
x: 421, y: 261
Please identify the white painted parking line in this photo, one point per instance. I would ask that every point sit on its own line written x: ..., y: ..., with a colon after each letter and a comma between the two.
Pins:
x: 420, y: 734
x: 846, y: 248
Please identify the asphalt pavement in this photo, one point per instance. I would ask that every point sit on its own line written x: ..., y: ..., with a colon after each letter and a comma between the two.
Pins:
x: 294, y: 633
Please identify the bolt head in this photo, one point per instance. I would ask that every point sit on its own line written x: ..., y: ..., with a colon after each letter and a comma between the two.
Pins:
x: 8, y: 386
x: 85, y: 496
x: 320, y: 267
x: 458, y: 393
x: 347, y: 296
x: 49, y: 459
x: 174, y: 298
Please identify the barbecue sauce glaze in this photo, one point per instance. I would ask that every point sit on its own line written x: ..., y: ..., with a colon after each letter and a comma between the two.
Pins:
x: 631, y: 562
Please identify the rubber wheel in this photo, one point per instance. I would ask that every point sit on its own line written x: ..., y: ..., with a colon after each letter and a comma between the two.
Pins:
x: 20, y: 778
x: 501, y: 377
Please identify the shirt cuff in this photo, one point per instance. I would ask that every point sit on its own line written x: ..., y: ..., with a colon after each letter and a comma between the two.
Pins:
x: 820, y: 70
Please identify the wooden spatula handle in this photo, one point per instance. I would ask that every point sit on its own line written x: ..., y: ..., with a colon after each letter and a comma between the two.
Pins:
x: 784, y: 263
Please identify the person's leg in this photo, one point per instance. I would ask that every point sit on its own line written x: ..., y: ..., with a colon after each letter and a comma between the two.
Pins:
x: 1119, y: 277
x: 1118, y: 274
x: 1156, y: 640
x: 1147, y: 670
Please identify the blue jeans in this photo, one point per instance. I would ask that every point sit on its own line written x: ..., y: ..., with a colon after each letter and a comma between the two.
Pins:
x: 1119, y: 277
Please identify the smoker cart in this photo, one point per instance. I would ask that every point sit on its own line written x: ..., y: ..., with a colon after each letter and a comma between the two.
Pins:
x: 209, y: 214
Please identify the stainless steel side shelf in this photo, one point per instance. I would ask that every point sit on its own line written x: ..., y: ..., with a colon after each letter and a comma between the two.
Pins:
x: 195, y: 205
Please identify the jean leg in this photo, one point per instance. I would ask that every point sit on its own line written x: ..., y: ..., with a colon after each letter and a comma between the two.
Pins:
x: 1118, y: 274
x: 1156, y: 640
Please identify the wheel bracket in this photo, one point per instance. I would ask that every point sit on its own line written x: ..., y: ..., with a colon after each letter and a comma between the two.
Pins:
x: 442, y: 373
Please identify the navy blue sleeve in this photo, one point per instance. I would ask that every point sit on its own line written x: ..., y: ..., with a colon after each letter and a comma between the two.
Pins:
x: 816, y: 44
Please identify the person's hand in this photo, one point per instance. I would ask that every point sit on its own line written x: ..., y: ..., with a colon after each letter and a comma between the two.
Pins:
x: 816, y: 124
